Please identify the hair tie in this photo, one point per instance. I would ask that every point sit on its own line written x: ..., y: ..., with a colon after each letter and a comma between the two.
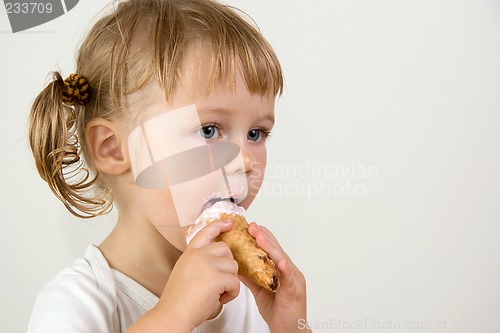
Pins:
x: 77, y: 90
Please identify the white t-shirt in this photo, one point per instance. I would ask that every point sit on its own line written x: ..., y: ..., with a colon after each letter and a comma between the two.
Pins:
x: 92, y: 297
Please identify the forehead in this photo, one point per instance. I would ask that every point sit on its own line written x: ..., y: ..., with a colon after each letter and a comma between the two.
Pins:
x: 203, y: 72
x: 197, y: 84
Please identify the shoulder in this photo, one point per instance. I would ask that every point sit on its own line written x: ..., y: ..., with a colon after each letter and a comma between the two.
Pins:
x: 81, y: 298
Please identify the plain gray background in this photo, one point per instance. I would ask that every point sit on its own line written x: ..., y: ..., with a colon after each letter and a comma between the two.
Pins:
x: 383, y: 181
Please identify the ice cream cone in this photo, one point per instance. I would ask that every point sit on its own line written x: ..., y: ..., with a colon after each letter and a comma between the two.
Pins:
x: 253, y: 261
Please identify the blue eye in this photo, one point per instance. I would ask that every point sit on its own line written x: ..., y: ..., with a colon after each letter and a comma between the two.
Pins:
x: 258, y: 134
x: 209, y: 132
x: 254, y: 135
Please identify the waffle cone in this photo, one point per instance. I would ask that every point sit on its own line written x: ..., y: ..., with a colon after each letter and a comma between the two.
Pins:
x: 253, y: 262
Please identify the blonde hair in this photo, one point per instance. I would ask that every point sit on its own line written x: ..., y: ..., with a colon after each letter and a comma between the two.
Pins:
x: 141, y: 42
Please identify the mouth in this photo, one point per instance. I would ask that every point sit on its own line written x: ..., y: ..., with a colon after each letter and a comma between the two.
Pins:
x: 212, y: 202
x: 236, y: 197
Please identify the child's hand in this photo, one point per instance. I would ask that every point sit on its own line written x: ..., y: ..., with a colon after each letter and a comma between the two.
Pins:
x: 281, y: 310
x: 204, y: 276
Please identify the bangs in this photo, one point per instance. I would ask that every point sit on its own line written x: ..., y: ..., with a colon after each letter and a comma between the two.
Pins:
x: 235, y: 45
x: 156, y: 37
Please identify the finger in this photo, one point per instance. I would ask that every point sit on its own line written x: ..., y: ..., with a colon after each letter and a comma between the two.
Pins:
x: 292, y: 284
x: 270, y: 236
x: 289, y: 274
x: 254, y: 229
x: 254, y: 288
x: 208, y: 233
x: 231, y: 289
x: 267, y: 242
x: 219, y: 249
x: 227, y: 266
x: 284, y: 268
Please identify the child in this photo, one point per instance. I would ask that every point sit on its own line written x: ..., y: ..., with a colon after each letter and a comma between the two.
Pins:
x: 150, y: 59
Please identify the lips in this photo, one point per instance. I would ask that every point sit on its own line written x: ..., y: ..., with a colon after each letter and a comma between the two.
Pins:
x: 236, y: 196
x: 211, y: 202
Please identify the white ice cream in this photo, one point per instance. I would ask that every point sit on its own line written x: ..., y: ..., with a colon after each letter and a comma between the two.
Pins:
x: 213, y: 213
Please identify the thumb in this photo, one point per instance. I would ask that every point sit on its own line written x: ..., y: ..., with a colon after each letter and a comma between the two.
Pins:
x: 206, y: 235
x: 254, y: 288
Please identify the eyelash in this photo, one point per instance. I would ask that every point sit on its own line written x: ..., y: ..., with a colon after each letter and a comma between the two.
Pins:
x: 266, y: 134
x: 217, y: 127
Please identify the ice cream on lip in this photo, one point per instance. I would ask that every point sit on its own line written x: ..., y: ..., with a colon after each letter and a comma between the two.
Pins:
x: 236, y: 195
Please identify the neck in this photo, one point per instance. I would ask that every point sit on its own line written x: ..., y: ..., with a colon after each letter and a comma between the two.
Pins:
x: 139, y: 251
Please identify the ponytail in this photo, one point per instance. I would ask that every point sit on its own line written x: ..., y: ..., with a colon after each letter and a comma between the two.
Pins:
x: 56, y: 149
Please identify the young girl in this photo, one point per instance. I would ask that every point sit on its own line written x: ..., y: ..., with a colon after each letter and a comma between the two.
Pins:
x: 145, y: 61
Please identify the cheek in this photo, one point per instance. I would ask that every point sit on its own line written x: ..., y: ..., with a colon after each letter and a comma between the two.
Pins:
x: 159, y: 209
x: 261, y: 161
x: 256, y: 177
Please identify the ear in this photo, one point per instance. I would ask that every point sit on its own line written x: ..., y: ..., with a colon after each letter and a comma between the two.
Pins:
x: 107, y: 146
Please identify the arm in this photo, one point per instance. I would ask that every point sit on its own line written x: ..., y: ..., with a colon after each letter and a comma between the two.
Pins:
x: 204, y: 276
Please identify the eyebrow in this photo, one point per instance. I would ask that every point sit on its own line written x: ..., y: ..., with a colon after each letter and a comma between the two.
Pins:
x: 222, y: 110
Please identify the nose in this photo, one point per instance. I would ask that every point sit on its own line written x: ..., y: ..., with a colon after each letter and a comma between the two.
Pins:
x: 243, y: 163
